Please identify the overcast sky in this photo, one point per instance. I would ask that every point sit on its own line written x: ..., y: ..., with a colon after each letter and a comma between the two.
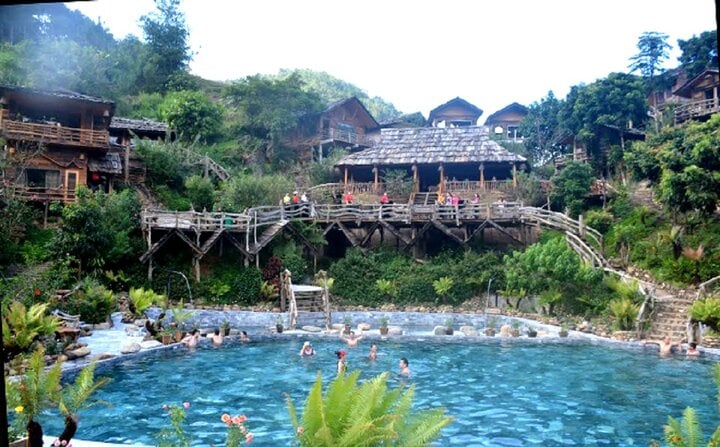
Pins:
x: 419, y: 54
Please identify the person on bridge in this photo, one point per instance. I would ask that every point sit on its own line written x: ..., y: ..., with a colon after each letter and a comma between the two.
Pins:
x: 348, y: 198
x: 295, y: 198
x: 286, y: 199
x: 384, y: 200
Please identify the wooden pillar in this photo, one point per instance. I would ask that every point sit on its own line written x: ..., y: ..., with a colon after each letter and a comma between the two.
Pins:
x: 482, y: 177
x: 416, y: 177
x: 150, y: 261
x: 45, y: 213
x: 441, y: 186
x: 376, y: 171
x: 346, y: 176
x: 514, y: 174
x: 126, y: 168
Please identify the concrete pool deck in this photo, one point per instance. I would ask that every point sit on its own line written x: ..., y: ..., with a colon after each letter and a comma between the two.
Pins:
x: 48, y: 440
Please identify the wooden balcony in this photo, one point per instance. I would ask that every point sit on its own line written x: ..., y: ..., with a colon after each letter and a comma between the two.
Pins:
x: 696, y: 109
x: 39, y: 194
x: 345, y: 136
x: 53, y: 133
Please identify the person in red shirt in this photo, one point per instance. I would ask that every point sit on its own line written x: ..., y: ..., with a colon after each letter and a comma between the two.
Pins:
x: 384, y: 199
x: 348, y: 198
x: 295, y: 198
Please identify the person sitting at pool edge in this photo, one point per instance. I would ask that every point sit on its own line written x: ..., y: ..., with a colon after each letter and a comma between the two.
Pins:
x: 405, y: 368
x: 307, y: 350
x: 341, y: 363
x: 191, y: 339
x: 217, y: 337
x: 351, y: 340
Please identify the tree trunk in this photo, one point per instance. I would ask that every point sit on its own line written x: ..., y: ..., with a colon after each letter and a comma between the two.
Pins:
x: 35, y: 434
x: 70, y: 429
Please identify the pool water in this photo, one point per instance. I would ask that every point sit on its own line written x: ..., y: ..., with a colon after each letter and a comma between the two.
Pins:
x: 500, y: 394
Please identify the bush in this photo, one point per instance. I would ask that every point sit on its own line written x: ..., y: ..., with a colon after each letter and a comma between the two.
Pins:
x: 247, y: 190
x: 141, y: 299
x: 625, y: 313
x: 232, y: 284
x: 200, y: 192
x: 707, y: 312
x: 599, y: 220
x: 92, y: 301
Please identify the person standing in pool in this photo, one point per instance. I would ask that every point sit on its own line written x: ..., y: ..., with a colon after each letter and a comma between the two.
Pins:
x: 217, y: 337
x: 191, y: 340
x: 692, y: 350
x: 405, y: 368
x: 665, y: 345
x: 307, y: 350
x: 351, y: 340
x: 373, y: 352
x: 341, y: 363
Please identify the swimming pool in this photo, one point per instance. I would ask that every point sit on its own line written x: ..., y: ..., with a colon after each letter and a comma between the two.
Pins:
x: 500, y: 393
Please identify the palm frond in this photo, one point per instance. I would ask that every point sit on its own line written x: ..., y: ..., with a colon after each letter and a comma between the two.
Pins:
x: 691, y: 427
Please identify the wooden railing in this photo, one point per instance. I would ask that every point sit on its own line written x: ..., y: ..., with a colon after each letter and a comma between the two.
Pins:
x: 40, y: 194
x: 471, y: 186
x: 696, y: 109
x: 53, y: 133
x: 345, y: 136
x: 564, y: 223
x: 193, y: 220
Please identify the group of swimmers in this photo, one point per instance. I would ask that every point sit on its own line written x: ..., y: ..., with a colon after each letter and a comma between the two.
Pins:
x: 666, y: 347
x: 352, y: 340
x: 191, y: 340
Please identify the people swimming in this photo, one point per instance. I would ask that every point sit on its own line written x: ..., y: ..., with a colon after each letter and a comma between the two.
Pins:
x: 217, y: 337
x: 341, y: 362
x: 373, y: 352
x: 307, y: 350
x: 665, y: 345
x: 244, y: 336
x: 405, y: 368
x: 352, y: 339
x: 692, y: 350
x: 191, y: 339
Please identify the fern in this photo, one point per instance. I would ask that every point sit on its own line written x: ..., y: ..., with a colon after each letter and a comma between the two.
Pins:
x: 76, y: 397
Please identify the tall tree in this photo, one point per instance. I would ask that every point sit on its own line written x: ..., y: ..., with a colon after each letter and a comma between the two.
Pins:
x: 541, y: 127
x: 698, y: 53
x: 653, y: 51
x: 167, y: 37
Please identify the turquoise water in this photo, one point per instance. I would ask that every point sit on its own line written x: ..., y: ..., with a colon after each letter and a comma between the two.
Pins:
x: 514, y: 394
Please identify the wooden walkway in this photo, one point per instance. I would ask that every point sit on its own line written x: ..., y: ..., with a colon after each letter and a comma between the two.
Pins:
x: 253, y: 230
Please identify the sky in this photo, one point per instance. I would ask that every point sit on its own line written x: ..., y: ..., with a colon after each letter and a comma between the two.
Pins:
x: 420, y: 54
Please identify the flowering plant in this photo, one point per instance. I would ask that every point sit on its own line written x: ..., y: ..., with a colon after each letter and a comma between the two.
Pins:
x: 237, y: 432
x: 175, y: 436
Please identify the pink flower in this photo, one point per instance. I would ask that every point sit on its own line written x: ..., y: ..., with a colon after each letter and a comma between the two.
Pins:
x: 236, y: 420
x: 56, y: 443
x: 186, y: 404
x: 64, y: 442
x: 242, y: 418
x: 225, y: 418
x: 249, y: 438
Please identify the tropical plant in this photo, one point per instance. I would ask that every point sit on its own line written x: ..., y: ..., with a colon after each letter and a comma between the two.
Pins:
x: 40, y: 390
x: 707, y: 311
x: 384, y: 321
x: 141, y: 299
x: 180, y: 315
x: 570, y: 186
x: 442, y: 286
x: 21, y: 327
x: 686, y: 432
x: 625, y: 313
x: 268, y: 290
x: 368, y: 414
x: 386, y: 287
x: 92, y: 301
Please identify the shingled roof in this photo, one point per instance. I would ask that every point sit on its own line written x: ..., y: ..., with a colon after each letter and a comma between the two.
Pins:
x: 143, y: 125
x: 59, y: 93
x: 430, y: 145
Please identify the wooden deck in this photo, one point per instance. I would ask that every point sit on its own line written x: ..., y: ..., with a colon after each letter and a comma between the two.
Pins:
x: 253, y: 230
x: 53, y: 133
x: 696, y: 109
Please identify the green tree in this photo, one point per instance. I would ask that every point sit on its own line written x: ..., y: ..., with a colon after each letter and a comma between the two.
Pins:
x: 248, y: 190
x: 653, y: 51
x: 541, y: 128
x: 684, y: 163
x: 368, y: 414
x: 570, y: 187
x: 617, y: 100
x: 698, y: 53
x: 13, y: 68
x: 552, y: 270
x: 192, y: 114
x: 200, y: 191
x: 167, y: 37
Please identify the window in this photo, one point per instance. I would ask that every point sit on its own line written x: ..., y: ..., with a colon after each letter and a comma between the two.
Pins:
x: 42, y: 178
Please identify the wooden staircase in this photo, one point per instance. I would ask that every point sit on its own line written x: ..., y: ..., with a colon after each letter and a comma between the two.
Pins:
x: 424, y: 198
x: 268, y: 235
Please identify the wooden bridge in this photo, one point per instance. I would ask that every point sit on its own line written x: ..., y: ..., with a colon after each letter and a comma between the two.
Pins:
x: 253, y: 230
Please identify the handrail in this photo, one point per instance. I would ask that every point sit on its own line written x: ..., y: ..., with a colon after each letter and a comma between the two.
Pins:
x: 55, y: 133
x: 694, y: 109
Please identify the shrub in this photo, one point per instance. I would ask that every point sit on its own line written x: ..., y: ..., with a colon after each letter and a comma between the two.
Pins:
x: 231, y: 284
x: 599, y: 220
x: 707, y: 311
x: 141, y: 299
x: 92, y: 301
x: 22, y: 326
x: 625, y: 313
x: 246, y: 190
x: 200, y: 192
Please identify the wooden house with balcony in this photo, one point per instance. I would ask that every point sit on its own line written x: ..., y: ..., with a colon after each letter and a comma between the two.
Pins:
x: 346, y: 124
x: 455, y: 159
x: 124, y: 132
x: 455, y: 113
x: 700, y: 97
x: 505, y: 123
x: 55, y: 140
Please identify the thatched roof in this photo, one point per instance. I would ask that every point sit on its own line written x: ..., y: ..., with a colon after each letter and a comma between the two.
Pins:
x: 432, y: 145
x: 138, y: 125
x: 512, y: 108
x: 58, y: 93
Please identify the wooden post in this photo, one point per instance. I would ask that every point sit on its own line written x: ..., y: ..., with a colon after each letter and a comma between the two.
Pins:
x: 377, y: 177
x: 150, y: 261
x: 416, y: 177
x: 126, y: 168
x: 441, y: 186
x: 45, y: 214
x: 346, y: 176
x: 581, y: 228
x: 514, y: 174
x: 482, y: 177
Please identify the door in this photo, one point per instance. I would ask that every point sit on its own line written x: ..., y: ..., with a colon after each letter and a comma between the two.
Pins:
x: 71, y: 178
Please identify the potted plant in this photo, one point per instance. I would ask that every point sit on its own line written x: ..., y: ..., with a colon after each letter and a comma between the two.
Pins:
x: 563, y: 330
x: 449, y: 326
x: 515, y: 328
x: 531, y: 332
x: 279, y: 324
x: 490, y: 328
x: 167, y: 335
x: 225, y: 327
x: 347, y: 321
x: 384, y: 325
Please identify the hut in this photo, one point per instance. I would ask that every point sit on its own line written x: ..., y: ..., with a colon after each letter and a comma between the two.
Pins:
x: 700, y: 96
x: 505, y: 123
x: 455, y: 158
x: 455, y: 113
